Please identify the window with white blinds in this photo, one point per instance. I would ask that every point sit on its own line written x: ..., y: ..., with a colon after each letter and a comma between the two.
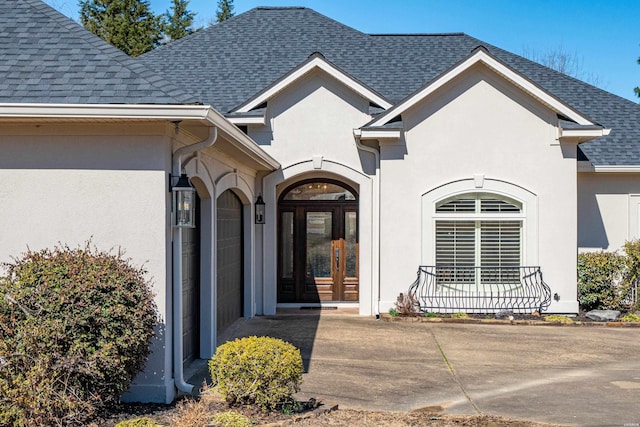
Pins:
x: 480, y: 235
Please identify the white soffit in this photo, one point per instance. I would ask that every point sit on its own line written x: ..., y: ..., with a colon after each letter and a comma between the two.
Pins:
x: 247, y: 120
x: 481, y: 55
x: 315, y: 62
x: 379, y: 134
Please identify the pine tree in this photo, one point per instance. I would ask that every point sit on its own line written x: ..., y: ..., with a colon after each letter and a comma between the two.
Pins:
x: 179, y: 20
x: 225, y: 10
x: 129, y: 25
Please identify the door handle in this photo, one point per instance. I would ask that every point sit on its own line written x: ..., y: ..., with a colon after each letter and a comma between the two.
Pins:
x: 337, y: 258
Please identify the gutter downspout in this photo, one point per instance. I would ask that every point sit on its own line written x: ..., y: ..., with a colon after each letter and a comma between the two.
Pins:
x: 375, y: 243
x: 176, y: 169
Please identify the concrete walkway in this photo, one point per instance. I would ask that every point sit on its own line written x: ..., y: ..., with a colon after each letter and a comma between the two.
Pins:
x: 580, y: 376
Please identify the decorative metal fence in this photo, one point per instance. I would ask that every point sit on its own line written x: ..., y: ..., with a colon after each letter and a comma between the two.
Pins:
x: 480, y: 289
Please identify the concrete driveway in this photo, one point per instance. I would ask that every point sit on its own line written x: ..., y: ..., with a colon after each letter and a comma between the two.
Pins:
x: 567, y: 375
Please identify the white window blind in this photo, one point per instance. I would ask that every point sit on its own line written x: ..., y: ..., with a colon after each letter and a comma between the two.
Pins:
x: 482, y: 245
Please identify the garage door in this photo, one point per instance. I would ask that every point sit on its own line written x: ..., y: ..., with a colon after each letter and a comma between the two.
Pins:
x: 230, y: 281
x: 191, y: 291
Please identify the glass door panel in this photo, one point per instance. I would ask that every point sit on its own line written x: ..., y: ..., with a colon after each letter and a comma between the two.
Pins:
x: 351, y: 243
x: 319, y: 244
x: 286, y: 245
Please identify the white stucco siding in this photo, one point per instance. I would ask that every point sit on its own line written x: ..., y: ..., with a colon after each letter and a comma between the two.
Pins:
x: 314, y: 117
x: 479, y: 125
x: 107, y: 184
x: 608, y: 210
x: 310, y: 132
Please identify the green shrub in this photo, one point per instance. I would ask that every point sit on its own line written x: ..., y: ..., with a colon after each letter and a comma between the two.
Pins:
x: 630, y: 317
x: 138, y: 422
x: 558, y: 319
x: 632, y: 277
x: 600, y: 275
x: 393, y: 312
x: 257, y: 370
x: 75, y: 326
x: 231, y: 419
x: 460, y: 315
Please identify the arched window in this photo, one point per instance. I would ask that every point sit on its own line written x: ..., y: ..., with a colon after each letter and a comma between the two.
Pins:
x: 479, y: 235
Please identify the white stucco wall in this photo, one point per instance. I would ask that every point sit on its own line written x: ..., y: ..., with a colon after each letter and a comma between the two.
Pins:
x: 106, y: 183
x: 479, y: 125
x: 608, y: 210
x: 314, y: 118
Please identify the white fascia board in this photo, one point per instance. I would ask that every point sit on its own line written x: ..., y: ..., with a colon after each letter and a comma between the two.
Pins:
x: 105, y: 111
x: 204, y: 113
x: 481, y: 56
x: 298, y: 73
x: 586, y: 166
x: 388, y: 134
x: 241, y: 140
x: 617, y: 169
x: 253, y: 120
x: 583, y: 133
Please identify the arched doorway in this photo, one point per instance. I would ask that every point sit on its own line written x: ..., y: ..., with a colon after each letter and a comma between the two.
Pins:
x: 318, y: 242
x: 229, y: 256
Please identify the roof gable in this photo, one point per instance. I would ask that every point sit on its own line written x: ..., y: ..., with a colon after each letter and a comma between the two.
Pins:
x: 481, y: 56
x: 48, y: 58
x: 315, y: 62
x: 228, y: 63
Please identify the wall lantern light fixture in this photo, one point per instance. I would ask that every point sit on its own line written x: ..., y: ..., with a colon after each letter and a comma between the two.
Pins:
x: 259, y: 210
x: 184, y: 206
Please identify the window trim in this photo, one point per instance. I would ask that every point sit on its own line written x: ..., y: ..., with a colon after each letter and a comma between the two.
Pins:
x: 500, y: 189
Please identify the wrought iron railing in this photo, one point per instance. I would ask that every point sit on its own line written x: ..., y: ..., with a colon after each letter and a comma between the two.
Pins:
x: 480, y: 289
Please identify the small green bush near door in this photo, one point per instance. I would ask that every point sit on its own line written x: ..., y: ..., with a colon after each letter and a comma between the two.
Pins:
x: 257, y: 370
x: 75, y: 327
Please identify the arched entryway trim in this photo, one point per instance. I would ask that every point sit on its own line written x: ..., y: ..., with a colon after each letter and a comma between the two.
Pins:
x: 275, y: 182
x: 318, y: 242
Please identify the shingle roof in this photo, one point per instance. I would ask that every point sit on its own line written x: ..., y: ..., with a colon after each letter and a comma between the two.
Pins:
x: 226, y: 64
x: 47, y: 58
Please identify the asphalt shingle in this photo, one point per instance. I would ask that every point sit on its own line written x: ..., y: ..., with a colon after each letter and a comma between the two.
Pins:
x: 48, y: 58
x: 228, y: 63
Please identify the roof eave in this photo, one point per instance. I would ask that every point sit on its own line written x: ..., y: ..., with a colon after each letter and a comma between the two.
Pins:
x: 481, y: 55
x: 586, y: 166
x: 315, y: 61
x: 379, y: 134
x: 582, y: 135
x: 203, y: 113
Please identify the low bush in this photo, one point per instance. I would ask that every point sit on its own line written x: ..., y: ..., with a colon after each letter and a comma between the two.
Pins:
x: 630, y: 317
x: 257, y: 370
x: 600, y: 280
x: 407, y: 305
x: 632, y: 276
x: 75, y: 326
x: 460, y: 315
x: 231, y: 419
x: 191, y: 413
x: 558, y: 319
x: 138, y: 422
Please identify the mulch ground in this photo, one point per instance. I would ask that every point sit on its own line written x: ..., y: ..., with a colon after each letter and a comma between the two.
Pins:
x: 322, y: 416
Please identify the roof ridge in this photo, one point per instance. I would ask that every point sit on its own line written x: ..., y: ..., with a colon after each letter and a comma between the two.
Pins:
x: 457, y: 34
x: 280, y: 7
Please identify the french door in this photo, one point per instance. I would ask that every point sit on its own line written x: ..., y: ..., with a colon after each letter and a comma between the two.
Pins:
x: 318, y: 250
